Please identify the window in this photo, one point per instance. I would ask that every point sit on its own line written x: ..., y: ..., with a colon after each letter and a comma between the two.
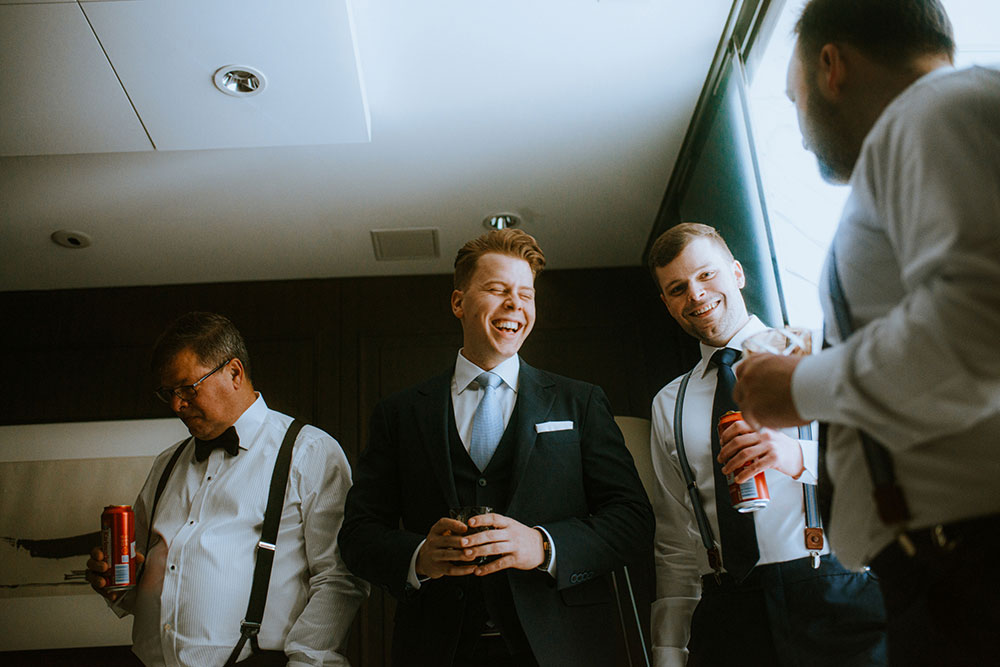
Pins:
x: 802, y: 209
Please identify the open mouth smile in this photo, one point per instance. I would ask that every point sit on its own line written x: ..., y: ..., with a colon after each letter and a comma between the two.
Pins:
x: 704, y: 310
x: 507, y: 326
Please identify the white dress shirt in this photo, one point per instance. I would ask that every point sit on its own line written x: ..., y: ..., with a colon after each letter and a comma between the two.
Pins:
x: 918, y: 255
x: 465, y: 397
x: 680, y: 556
x: 199, y: 569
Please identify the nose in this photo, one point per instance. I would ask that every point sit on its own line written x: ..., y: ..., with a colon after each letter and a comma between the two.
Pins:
x: 513, y: 301
x: 695, y: 291
x: 176, y: 403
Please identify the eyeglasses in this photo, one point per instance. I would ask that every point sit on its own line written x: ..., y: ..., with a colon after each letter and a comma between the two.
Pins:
x: 186, y: 392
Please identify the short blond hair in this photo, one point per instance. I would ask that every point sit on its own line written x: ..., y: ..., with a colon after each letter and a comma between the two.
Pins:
x: 510, y: 242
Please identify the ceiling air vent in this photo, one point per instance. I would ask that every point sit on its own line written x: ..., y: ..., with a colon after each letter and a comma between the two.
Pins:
x: 420, y: 243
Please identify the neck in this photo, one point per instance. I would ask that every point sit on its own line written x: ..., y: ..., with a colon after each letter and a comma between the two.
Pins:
x: 881, y: 84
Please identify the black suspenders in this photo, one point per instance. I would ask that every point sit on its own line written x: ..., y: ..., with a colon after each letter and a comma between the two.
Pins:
x: 890, y: 501
x: 250, y: 626
x: 814, y: 525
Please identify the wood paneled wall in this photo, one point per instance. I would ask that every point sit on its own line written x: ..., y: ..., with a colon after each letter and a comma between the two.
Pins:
x: 324, y: 351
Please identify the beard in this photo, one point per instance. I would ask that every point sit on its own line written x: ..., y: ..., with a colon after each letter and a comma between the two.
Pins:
x: 829, y: 139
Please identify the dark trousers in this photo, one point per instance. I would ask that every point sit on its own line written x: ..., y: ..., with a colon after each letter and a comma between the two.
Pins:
x: 791, y: 615
x: 943, y: 604
x: 492, y: 652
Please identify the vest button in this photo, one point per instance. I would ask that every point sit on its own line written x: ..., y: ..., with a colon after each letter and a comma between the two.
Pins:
x: 482, y: 481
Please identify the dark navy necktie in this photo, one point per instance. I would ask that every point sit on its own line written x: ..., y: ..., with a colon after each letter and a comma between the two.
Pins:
x: 229, y: 441
x: 736, y: 530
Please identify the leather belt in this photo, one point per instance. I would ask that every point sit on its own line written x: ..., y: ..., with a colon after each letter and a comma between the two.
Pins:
x: 939, y: 539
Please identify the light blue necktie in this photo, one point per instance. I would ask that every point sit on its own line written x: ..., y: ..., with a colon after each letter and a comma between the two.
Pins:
x: 487, y: 423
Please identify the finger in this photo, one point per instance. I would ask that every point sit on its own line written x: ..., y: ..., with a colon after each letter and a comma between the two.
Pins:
x: 139, y: 558
x: 444, y: 524
x: 733, y: 429
x: 96, y: 553
x: 447, y: 555
x: 485, y: 537
x: 459, y: 570
x: 744, y: 457
x: 444, y: 542
x: 495, y: 566
x: 97, y: 565
x: 497, y: 548
x: 492, y: 519
x: 737, y: 445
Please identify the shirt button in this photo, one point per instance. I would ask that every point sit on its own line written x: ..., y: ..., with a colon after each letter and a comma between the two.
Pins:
x: 210, y: 478
x: 482, y: 481
x: 166, y: 627
x: 190, y: 523
x: 173, y: 567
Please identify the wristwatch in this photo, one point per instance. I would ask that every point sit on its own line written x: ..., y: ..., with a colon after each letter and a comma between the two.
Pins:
x: 547, y: 549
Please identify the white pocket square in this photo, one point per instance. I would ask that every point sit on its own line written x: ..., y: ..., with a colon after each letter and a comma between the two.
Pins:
x: 548, y: 427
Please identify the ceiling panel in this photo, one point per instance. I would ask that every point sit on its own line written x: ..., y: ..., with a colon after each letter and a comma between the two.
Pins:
x: 167, y: 51
x: 58, y: 94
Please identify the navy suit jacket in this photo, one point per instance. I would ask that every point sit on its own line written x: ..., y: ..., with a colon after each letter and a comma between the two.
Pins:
x: 580, y: 484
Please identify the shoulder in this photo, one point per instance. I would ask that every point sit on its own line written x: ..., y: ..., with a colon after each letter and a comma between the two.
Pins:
x: 943, y: 108
x: 435, y: 386
x: 163, y: 457
x: 560, y: 382
x: 667, y: 395
x: 312, y: 444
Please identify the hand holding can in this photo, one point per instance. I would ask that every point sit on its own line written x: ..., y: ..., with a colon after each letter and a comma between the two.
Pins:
x: 751, y: 495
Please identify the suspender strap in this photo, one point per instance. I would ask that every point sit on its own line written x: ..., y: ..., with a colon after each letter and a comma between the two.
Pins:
x: 814, y: 524
x: 889, y: 499
x: 160, y: 485
x: 704, y: 527
x: 250, y: 626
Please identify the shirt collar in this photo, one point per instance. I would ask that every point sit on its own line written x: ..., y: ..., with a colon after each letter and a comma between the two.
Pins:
x: 250, y: 421
x: 466, y: 372
x: 752, y: 326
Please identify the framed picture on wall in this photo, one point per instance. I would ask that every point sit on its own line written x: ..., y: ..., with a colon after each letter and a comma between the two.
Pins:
x: 55, y: 480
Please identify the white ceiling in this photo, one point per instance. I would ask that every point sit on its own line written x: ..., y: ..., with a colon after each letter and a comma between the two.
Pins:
x: 567, y: 112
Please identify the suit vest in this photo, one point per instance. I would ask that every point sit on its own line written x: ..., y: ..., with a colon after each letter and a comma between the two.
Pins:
x: 489, y: 597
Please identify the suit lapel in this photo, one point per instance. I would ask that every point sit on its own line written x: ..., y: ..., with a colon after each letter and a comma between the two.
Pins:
x: 534, y: 400
x: 432, y: 412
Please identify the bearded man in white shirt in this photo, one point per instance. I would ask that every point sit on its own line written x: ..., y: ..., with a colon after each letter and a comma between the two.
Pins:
x: 911, y: 298
x: 775, y: 595
x: 199, y: 561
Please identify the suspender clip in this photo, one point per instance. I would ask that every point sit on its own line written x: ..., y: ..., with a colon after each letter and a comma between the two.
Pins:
x: 814, y: 559
x: 265, y: 545
x: 249, y: 629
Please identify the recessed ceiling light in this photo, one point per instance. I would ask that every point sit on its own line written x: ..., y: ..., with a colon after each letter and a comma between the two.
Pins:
x: 501, y: 221
x: 239, y: 80
x: 70, y: 239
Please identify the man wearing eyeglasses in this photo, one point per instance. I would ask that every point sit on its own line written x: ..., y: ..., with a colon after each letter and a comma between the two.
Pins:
x: 205, y: 500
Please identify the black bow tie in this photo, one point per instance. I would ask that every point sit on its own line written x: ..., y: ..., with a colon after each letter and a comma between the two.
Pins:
x: 229, y: 441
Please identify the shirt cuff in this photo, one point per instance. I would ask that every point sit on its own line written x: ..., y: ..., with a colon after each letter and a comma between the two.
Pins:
x: 811, y: 384
x: 411, y: 577
x: 810, y: 461
x: 551, y: 569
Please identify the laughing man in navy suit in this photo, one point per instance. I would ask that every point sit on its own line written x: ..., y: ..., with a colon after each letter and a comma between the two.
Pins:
x: 568, y: 506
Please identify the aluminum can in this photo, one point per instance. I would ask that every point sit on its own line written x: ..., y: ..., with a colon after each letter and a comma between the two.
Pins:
x: 118, y: 544
x: 751, y: 495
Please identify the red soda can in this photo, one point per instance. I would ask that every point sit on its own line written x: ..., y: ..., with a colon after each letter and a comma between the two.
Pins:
x: 118, y: 544
x: 751, y: 495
